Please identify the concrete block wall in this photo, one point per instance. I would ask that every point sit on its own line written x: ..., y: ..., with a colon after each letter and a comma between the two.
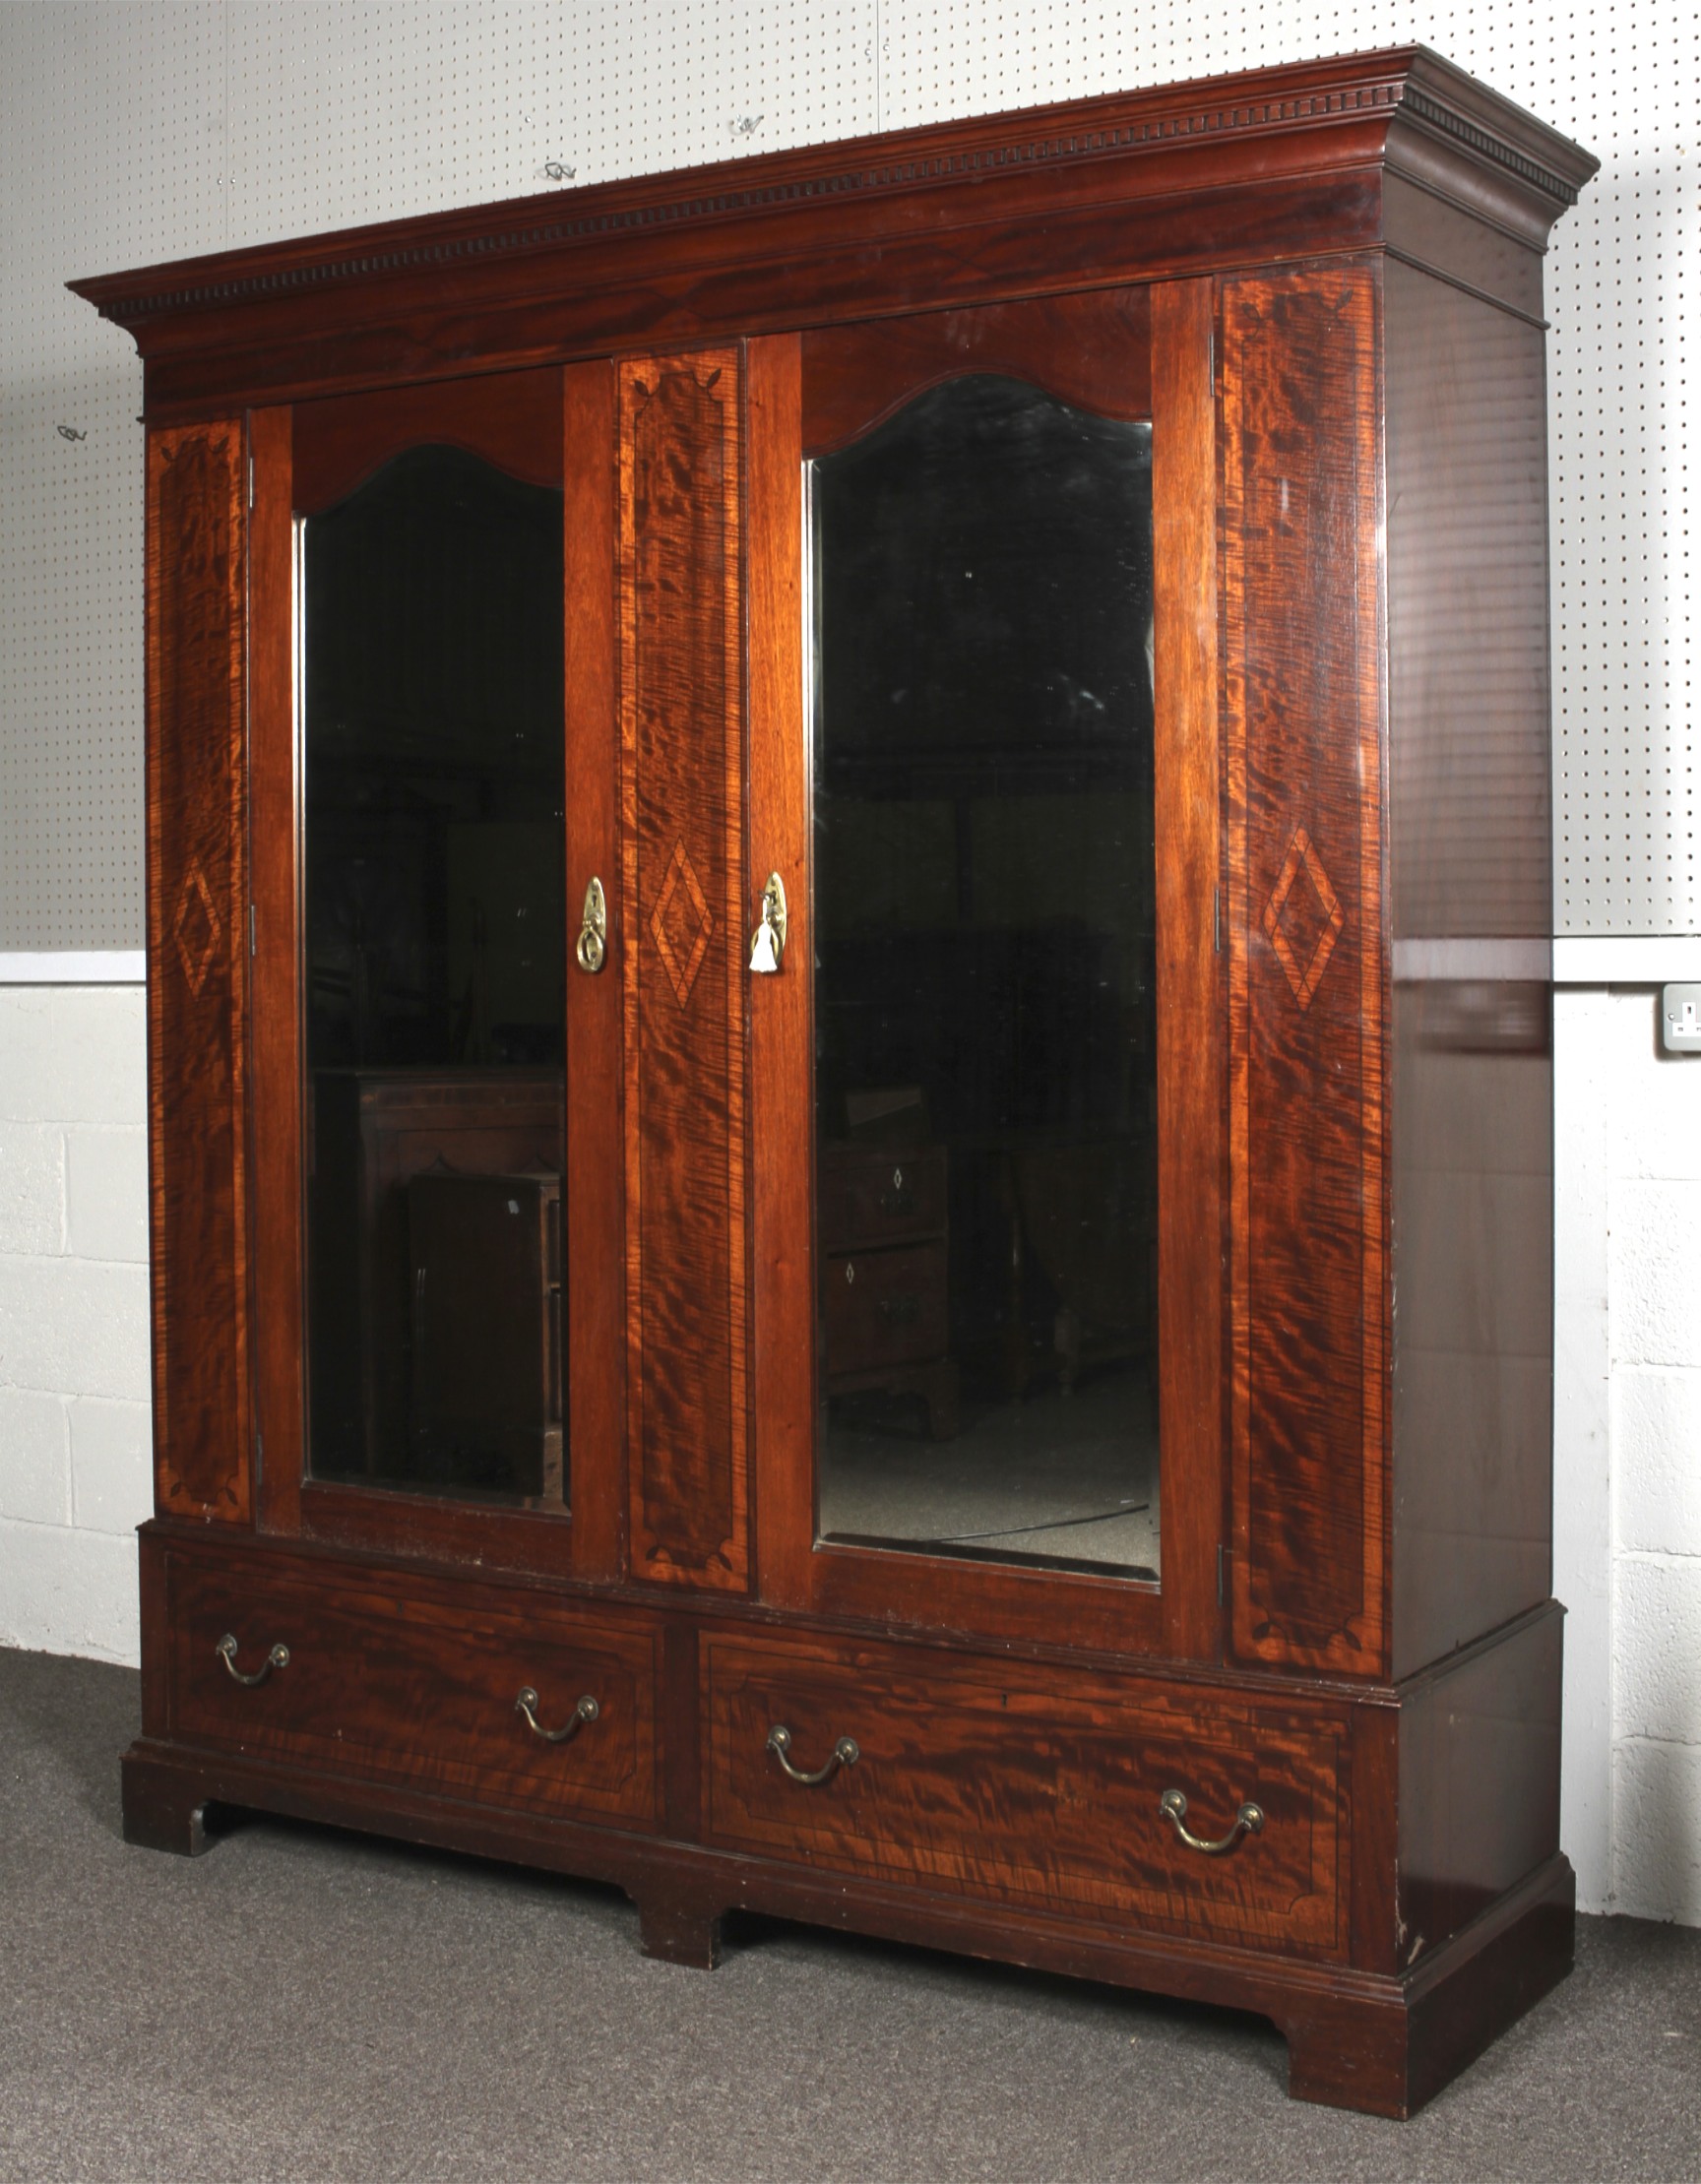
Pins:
x: 1652, y: 1192
x: 75, y: 1470
x: 1628, y: 1451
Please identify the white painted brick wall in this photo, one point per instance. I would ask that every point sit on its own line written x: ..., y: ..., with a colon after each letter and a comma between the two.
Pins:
x: 75, y: 1478
x: 1656, y: 1425
x: 1654, y: 1345
x: 1583, y: 1433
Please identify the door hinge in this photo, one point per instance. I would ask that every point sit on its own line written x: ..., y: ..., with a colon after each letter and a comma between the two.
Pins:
x: 259, y: 1455
x: 1222, y: 1576
x: 250, y: 478
x: 253, y: 931
x: 1216, y: 922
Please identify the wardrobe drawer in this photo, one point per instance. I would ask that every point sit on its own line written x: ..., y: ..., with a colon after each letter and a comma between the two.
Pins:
x: 384, y: 1679
x: 1033, y: 1787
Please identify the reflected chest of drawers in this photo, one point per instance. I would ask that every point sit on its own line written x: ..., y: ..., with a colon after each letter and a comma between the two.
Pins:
x: 885, y: 1306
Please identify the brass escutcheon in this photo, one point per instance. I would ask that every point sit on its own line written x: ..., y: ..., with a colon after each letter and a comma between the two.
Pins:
x: 592, y: 952
x: 768, y: 942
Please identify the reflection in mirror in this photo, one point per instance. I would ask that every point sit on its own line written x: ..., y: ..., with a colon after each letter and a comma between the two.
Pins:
x: 984, y: 1007
x: 434, y: 843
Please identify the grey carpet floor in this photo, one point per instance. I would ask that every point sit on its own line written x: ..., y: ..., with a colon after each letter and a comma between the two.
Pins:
x: 303, y: 2005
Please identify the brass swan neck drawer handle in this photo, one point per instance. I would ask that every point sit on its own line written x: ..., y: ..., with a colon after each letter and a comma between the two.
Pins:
x: 845, y: 1752
x: 1248, y: 1820
x: 586, y: 1711
x: 592, y: 953
x: 278, y: 1657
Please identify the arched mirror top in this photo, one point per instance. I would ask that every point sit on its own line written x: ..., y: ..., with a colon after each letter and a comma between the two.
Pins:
x: 511, y: 420
x: 983, y: 600
x: 1092, y: 350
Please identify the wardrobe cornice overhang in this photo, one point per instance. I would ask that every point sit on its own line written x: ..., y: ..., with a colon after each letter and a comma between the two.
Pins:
x: 1130, y: 185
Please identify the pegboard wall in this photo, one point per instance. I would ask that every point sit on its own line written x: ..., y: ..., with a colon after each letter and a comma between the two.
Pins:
x: 160, y: 130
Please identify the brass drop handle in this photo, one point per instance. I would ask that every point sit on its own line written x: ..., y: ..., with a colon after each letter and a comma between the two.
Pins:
x: 1248, y: 1820
x: 845, y: 1752
x: 592, y: 952
x: 768, y: 942
x: 586, y: 1711
x: 278, y: 1657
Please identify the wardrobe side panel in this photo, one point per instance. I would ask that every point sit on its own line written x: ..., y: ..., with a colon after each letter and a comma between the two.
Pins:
x: 683, y: 899
x: 1307, y: 966
x: 198, y: 957
x: 1470, y: 867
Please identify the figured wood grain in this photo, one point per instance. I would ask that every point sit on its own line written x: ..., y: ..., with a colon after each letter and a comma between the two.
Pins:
x: 782, y: 1031
x: 385, y: 1678
x: 1186, y: 790
x: 1005, y: 1783
x: 1092, y: 350
x: 597, y: 1489
x: 683, y: 770
x: 1308, y: 967
x: 198, y: 959
x: 274, y: 992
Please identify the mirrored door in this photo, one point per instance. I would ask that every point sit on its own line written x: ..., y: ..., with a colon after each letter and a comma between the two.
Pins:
x: 433, y: 796
x: 985, y: 1065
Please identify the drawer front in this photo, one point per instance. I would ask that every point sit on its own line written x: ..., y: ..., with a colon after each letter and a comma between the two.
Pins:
x: 385, y: 1681
x: 1033, y: 1789
x: 880, y: 1198
x: 884, y: 1308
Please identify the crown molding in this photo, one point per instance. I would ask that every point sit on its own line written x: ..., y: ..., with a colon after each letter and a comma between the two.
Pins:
x: 1411, y: 86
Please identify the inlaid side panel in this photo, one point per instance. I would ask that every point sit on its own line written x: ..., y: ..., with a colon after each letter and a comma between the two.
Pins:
x: 198, y: 953
x: 1308, y: 967
x: 681, y: 719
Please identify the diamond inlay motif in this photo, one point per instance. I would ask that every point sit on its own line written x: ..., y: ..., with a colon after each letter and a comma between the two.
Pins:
x: 681, y: 924
x: 197, y: 929
x: 1303, y: 923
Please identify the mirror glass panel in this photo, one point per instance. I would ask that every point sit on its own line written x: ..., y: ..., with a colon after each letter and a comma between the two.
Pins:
x: 433, y: 822
x: 985, y: 1017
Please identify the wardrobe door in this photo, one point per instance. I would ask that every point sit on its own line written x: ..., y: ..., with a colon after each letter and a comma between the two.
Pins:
x: 437, y: 968
x: 997, y: 785
x: 198, y: 960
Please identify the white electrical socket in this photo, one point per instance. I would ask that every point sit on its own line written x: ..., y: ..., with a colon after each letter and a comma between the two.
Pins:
x: 1680, y: 1020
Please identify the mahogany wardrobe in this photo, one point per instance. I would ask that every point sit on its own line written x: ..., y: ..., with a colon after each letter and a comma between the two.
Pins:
x: 850, y: 1077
